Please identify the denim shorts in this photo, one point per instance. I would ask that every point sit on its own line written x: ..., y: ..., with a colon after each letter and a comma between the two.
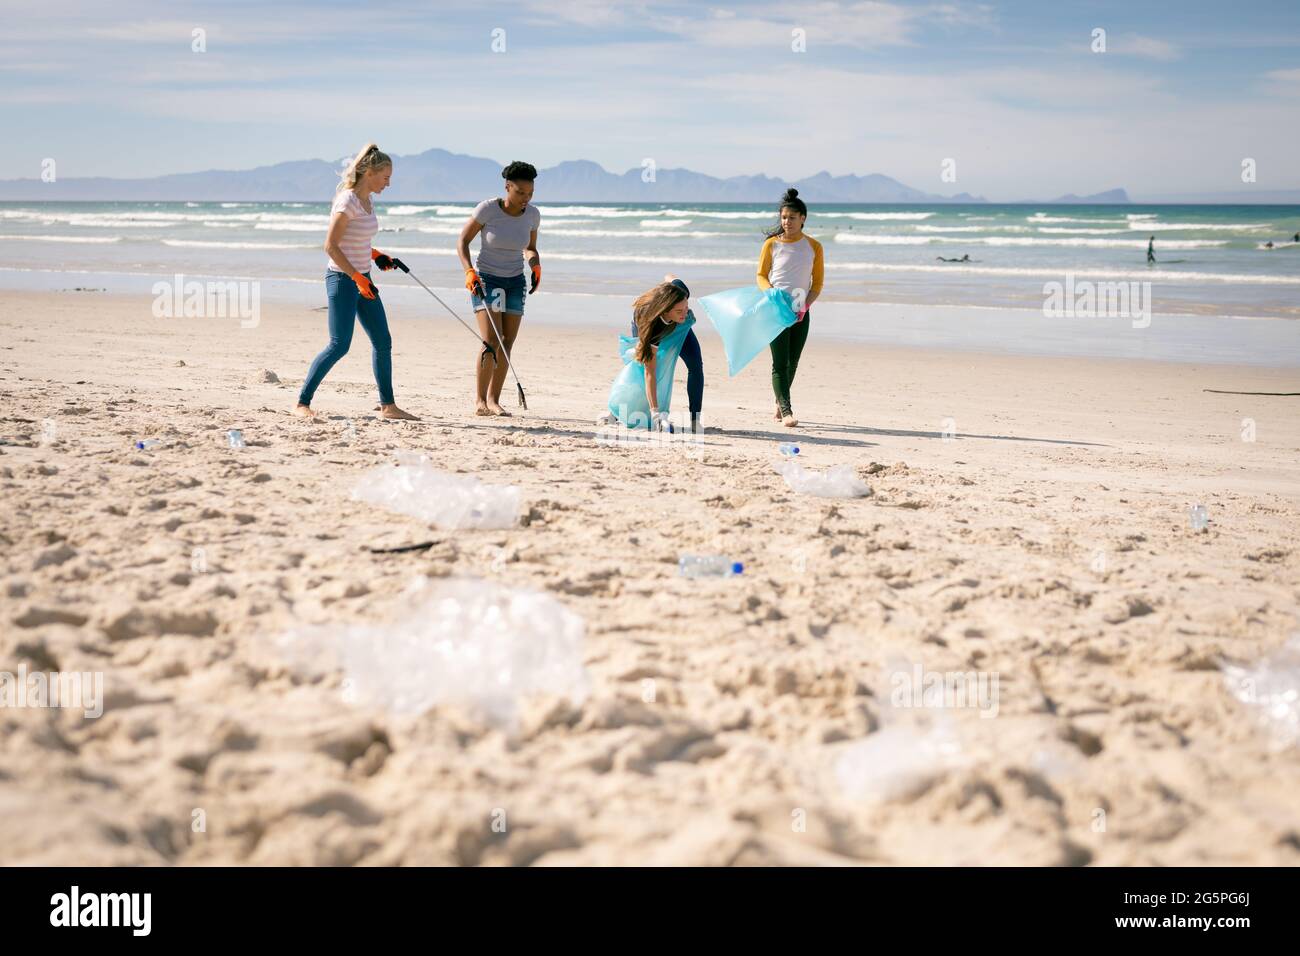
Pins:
x: 503, y: 295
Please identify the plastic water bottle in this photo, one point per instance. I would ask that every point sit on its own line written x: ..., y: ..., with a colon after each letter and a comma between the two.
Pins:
x: 235, y: 437
x: 1200, y: 518
x: 147, y: 444
x: 708, y: 566
x: 788, y: 448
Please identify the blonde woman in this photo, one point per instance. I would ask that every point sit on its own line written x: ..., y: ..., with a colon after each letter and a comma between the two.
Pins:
x: 351, y: 294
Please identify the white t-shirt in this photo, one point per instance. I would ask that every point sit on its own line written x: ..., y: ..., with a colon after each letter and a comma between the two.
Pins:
x: 361, y: 228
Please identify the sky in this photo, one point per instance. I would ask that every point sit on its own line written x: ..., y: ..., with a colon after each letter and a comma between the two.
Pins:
x: 1013, y: 94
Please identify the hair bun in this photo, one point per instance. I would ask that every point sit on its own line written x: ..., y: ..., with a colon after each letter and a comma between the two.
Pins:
x: 791, y: 193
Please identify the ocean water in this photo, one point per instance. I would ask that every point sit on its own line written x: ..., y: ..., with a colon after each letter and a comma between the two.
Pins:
x: 1211, y: 260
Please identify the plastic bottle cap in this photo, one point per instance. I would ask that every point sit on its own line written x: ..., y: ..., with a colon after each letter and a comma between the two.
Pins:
x: 737, y: 568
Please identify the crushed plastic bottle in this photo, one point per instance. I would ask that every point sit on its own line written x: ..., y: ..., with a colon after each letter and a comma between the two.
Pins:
x: 840, y: 481
x: 708, y: 566
x: 464, y: 642
x: 1199, y: 517
x: 412, y: 486
x: 1271, y: 687
x: 898, y: 762
x: 788, y: 448
x: 235, y: 437
x: 148, y: 444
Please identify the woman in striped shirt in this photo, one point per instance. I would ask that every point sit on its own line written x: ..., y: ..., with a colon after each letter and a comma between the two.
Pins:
x: 792, y: 262
x: 351, y: 294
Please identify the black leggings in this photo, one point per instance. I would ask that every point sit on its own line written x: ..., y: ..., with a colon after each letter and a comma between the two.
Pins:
x: 786, y: 349
x: 694, y: 363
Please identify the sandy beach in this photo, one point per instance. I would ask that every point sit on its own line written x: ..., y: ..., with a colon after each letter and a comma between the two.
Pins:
x: 1028, y: 520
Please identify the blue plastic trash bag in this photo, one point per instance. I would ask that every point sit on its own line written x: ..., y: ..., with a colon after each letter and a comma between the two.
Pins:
x: 748, y: 319
x: 627, y: 401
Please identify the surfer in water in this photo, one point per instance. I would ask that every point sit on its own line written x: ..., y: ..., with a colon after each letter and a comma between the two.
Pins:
x: 1151, y: 251
x: 965, y: 258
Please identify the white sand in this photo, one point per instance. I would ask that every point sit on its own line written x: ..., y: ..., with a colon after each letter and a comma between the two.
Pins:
x: 1047, y: 544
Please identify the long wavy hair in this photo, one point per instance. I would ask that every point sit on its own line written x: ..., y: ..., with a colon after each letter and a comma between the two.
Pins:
x: 369, y: 158
x: 648, y: 313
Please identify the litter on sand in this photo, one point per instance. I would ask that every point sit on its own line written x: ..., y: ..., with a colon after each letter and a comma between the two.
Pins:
x: 1272, y: 688
x: 412, y: 486
x: 897, y: 762
x: 840, y: 481
x: 464, y: 641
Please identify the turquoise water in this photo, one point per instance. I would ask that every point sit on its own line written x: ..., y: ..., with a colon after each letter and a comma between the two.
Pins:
x: 1210, y: 259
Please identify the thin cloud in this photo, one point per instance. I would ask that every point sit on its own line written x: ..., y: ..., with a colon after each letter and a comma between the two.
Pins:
x: 1284, y: 81
x: 1131, y: 44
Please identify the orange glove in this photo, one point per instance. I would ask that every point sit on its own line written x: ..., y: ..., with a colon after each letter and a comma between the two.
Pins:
x: 473, y: 282
x: 537, y: 277
x: 365, y: 285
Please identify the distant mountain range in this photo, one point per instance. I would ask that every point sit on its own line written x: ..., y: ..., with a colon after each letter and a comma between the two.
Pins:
x: 437, y: 174
x: 1240, y: 197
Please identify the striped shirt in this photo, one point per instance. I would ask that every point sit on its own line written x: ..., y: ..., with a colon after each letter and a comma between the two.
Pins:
x: 361, y: 228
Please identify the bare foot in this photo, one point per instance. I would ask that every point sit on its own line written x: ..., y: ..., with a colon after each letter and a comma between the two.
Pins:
x: 494, y: 408
x: 394, y: 413
x: 777, y: 416
x: 482, y: 409
x: 790, y: 421
x: 303, y: 411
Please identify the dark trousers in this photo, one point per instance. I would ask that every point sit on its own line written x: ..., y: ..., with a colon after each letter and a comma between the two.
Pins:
x: 694, y: 363
x: 786, y: 349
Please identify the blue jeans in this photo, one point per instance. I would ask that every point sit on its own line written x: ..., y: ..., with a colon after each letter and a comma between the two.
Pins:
x: 694, y: 362
x: 346, y: 306
x: 503, y: 295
